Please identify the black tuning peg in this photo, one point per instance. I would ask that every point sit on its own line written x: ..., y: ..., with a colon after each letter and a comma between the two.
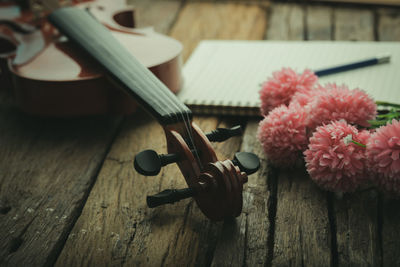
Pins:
x: 247, y: 162
x: 149, y: 163
x: 169, y: 196
x: 222, y: 134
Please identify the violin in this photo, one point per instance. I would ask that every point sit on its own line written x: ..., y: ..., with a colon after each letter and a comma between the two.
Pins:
x: 50, y: 76
x: 215, y: 185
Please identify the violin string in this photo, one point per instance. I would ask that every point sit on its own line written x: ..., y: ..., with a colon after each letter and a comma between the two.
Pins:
x: 167, y: 96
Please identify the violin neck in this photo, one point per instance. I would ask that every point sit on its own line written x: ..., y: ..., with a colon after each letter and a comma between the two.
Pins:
x: 121, y: 66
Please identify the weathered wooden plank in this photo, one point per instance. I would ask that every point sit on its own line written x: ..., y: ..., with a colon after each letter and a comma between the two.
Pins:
x: 356, y: 215
x: 218, y: 21
x: 390, y: 232
x: 286, y: 22
x: 319, y: 22
x: 357, y: 229
x: 159, y: 14
x: 388, y: 24
x: 116, y: 227
x: 245, y: 241
x: 388, y: 30
x: 129, y: 232
x: 353, y: 24
x: 47, y: 168
x: 302, y: 230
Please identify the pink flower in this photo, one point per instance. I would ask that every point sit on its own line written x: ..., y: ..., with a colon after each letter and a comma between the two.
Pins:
x: 280, y: 88
x: 333, y: 161
x: 283, y: 134
x: 383, y: 151
x: 340, y: 103
x: 303, y: 97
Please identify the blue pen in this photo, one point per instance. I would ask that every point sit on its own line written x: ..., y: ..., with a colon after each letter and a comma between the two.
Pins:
x: 352, y: 66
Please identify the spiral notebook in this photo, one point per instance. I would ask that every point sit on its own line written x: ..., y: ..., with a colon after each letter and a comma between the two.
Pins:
x: 224, y: 77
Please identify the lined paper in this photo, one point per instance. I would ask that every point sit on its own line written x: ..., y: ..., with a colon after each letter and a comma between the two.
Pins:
x: 225, y: 76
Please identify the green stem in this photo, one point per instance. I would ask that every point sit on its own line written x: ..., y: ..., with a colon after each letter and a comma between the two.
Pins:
x: 357, y: 143
x: 387, y: 104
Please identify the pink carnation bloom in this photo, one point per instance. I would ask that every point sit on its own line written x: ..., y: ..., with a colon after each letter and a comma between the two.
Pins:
x: 383, y: 152
x: 303, y: 97
x: 283, y: 134
x: 333, y: 161
x: 280, y: 88
x: 340, y: 103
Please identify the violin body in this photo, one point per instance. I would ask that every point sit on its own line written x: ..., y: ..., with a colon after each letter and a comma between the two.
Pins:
x: 52, y: 77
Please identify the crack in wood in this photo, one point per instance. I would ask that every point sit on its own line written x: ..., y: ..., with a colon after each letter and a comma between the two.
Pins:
x: 380, y: 226
x: 15, y: 243
x: 128, y: 245
x: 245, y: 239
x: 272, y: 208
x: 121, y: 162
x: 165, y: 256
x: 5, y: 209
x: 305, y: 28
x: 333, y: 231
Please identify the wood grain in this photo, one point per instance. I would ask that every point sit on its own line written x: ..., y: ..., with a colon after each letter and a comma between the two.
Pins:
x: 159, y: 14
x: 319, y: 22
x: 244, y: 241
x: 48, y: 167
x: 302, y: 230
x: 353, y: 24
x: 357, y: 231
x: 388, y: 24
x: 116, y: 227
x: 286, y: 22
x: 218, y: 21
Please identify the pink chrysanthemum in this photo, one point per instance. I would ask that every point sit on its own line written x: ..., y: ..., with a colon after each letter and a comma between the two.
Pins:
x: 280, y: 88
x: 383, y: 152
x: 333, y: 161
x: 340, y: 103
x: 303, y: 97
x: 283, y: 134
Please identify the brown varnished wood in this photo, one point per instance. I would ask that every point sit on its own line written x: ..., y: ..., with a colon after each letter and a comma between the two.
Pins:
x: 53, y: 78
x: 218, y: 184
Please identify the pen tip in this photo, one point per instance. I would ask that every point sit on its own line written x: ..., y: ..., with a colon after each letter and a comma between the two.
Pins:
x: 384, y: 59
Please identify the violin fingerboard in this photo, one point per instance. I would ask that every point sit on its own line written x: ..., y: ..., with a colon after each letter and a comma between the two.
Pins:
x: 122, y: 67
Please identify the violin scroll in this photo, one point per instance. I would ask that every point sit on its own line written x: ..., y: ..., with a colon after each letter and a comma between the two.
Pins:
x: 216, y: 186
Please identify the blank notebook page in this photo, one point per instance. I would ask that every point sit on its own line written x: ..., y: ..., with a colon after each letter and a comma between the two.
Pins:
x: 230, y: 73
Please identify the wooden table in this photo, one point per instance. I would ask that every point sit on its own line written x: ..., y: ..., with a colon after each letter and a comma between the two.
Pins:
x: 69, y: 195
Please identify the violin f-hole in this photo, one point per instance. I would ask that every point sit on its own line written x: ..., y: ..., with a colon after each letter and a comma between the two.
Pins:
x: 125, y: 18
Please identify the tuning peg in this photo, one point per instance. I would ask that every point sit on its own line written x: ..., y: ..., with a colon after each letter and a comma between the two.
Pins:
x: 149, y: 163
x: 247, y: 162
x: 169, y: 196
x: 222, y: 134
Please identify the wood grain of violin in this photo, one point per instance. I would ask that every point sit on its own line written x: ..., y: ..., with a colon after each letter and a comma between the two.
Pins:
x: 50, y: 76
